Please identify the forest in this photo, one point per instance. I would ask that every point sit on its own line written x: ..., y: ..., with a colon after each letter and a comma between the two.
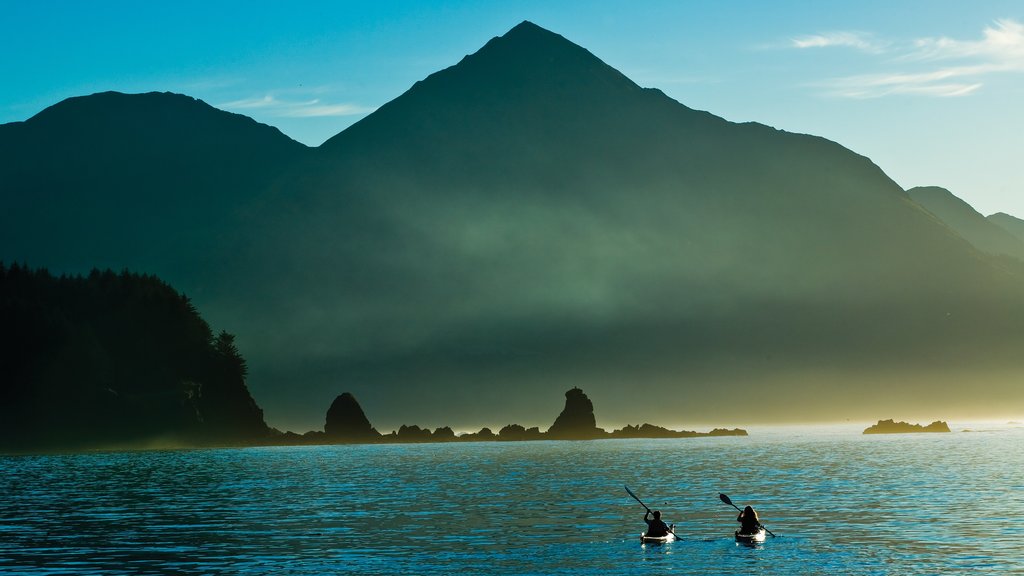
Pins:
x: 118, y: 360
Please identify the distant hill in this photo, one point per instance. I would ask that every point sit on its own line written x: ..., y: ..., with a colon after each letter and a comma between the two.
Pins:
x: 133, y: 180
x: 1011, y: 224
x: 117, y: 360
x: 985, y: 234
x: 529, y: 220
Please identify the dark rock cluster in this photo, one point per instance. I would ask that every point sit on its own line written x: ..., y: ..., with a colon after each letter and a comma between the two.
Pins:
x: 347, y: 423
x: 892, y: 427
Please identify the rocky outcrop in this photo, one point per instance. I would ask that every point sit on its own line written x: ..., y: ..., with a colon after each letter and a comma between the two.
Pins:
x: 576, y: 422
x: 484, y: 435
x: 518, y: 432
x: 891, y: 427
x: 652, y: 431
x: 728, y: 432
x: 413, y: 434
x: 346, y: 421
x: 443, y: 434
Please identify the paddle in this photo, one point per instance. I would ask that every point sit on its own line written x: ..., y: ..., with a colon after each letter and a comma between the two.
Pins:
x: 726, y: 499
x: 630, y: 492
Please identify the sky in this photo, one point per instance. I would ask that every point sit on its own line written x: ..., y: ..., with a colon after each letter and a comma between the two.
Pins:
x: 929, y: 90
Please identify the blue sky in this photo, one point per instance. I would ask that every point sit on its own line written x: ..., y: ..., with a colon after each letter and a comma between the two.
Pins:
x: 932, y: 91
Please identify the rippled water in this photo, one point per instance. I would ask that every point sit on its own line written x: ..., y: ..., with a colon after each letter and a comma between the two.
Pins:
x: 840, y: 503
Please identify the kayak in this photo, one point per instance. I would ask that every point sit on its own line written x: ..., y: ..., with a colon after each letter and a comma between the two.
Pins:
x: 755, y: 538
x: 670, y: 537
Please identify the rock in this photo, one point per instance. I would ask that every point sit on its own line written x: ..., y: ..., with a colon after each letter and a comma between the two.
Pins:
x: 518, y: 432
x: 413, y: 434
x: 891, y: 427
x: 576, y: 422
x: 314, y: 435
x: 727, y: 432
x: 484, y: 434
x: 512, y: 432
x: 347, y: 422
x: 643, y: 431
x: 652, y: 431
x: 443, y: 434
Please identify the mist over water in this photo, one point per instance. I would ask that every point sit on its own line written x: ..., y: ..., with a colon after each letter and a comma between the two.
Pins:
x: 840, y: 502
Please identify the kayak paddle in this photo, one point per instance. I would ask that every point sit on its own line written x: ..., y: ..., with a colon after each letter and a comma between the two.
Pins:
x: 726, y: 499
x: 630, y: 492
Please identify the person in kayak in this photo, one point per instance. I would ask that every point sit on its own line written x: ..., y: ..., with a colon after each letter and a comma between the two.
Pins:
x: 749, y: 522
x: 656, y: 527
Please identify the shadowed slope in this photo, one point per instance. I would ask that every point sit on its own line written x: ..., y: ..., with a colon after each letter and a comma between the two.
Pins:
x: 148, y: 181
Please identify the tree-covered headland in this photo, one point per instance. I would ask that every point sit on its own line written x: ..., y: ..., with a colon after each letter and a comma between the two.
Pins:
x: 114, y: 360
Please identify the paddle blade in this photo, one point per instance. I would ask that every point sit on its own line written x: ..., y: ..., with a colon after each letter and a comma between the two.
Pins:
x: 630, y: 492
x: 725, y: 499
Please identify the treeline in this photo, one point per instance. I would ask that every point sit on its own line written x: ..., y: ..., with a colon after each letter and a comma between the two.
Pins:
x: 114, y: 359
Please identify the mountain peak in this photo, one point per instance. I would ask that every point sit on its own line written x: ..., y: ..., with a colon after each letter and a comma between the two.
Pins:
x: 529, y: 32
x: 528, y: 72
x: 537, y: 53
x: 118, y: 118
x: 527, y: 27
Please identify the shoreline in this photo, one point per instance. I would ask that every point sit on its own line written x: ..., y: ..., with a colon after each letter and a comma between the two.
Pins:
x: 385, y: 441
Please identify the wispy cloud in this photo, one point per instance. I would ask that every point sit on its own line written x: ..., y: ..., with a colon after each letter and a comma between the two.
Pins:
x: 1001, y: 42
x: 858, y: 40
x: 273, y: 106
x: 938, y: 67
x: 878, y: 85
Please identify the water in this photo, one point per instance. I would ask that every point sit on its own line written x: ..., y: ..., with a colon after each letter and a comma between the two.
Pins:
x: 841, y: 503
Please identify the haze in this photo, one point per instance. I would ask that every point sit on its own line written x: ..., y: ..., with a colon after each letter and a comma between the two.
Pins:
x: 530, y: 219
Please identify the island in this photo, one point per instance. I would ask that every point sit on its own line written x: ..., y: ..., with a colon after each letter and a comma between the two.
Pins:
x: 892, y: 427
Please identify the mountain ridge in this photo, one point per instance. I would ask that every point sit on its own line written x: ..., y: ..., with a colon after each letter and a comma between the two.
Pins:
x: 1008, y: 222
x: 983, y: 233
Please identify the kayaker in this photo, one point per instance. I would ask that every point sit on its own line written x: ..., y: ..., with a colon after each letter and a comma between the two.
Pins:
x: 749, y: 522
x: 656, y: 527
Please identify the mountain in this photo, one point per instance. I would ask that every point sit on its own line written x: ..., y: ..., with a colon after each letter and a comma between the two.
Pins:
x: 530, y: 219
x: 132, y: 180
x: 1011, y: 224
x: 985, y: 234
x: 535, y: 217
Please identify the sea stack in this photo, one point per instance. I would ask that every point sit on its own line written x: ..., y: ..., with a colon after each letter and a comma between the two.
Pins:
x: 346, y: 421
x: 576, y: 422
